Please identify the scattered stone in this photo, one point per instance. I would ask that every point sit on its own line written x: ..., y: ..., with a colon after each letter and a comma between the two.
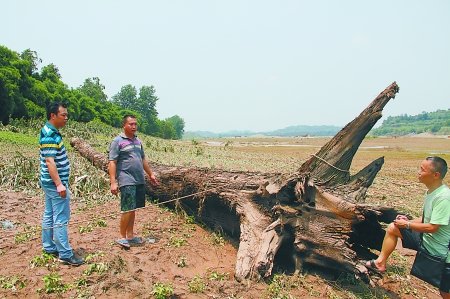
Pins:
x: 7, y: 225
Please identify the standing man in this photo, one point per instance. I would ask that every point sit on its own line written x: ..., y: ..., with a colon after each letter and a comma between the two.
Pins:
x: 54, y: 179
x: 126, y: 168
x: 435, y: 226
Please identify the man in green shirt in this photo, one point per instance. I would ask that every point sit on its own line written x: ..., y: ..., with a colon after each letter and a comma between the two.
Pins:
x: 434, y: 226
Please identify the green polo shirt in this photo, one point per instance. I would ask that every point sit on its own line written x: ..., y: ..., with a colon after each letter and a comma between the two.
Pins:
x: 437, y: 211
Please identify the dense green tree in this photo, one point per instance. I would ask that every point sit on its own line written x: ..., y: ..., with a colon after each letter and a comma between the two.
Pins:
x: 31, y: 57
x: 25, y: 91
x: 94, y: 89
x: 9, y: 83
x: 166, y: 130
x: 145, y: 105
x: 126, y: 98
x: 178, y: 124
x: 432, y: 122
x: 50, y: 72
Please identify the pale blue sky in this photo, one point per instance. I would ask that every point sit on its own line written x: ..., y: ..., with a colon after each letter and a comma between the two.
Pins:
x: 246, y: 65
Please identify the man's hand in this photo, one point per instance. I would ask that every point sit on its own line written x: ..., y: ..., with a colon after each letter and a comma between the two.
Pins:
x: 62, y: 191
x: 153, y: 180
x: 402, y: 221
x: 114, y: 188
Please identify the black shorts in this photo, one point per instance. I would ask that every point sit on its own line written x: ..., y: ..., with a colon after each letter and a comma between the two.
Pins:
x: 445, y: 282
x: 411, y: 240
x: 132, y: 197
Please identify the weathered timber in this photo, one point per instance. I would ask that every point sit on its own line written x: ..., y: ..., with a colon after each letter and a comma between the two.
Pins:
x: 316, y: 217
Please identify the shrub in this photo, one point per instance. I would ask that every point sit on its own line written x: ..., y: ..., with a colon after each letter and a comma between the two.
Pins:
x: 162, y: 290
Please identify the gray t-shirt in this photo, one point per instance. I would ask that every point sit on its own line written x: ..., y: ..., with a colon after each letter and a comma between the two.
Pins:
x: 129, y: 154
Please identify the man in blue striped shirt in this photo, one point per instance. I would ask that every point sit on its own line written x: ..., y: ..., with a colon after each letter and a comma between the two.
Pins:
x: 54, y: 179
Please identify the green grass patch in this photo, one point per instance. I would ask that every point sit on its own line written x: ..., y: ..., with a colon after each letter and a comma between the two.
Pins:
x: 19, y: 139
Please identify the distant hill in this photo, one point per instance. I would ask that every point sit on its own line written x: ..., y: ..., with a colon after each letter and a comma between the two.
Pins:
x: 291, y: 131
x: 437, y: 122
x: 306, y: 130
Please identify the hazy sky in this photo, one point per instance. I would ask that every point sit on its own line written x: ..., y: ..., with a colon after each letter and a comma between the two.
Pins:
x: 246, y: 64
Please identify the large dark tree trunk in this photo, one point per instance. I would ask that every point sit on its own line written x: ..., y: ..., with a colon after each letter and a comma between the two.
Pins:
x: 315, y: 217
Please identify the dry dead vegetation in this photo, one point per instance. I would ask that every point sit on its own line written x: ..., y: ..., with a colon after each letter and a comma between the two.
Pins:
x: 187, y: 260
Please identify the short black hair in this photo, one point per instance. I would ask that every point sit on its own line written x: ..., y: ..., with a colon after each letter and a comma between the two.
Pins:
x: 439, y: 165
x: 53, y: 107
x: 125, y: 118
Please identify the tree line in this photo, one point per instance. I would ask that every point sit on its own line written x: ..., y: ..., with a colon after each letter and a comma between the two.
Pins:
x: 26, y: 89
x: 437, y: 122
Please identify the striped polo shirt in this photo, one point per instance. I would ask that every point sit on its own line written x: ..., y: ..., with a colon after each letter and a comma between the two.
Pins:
x: 51, y: 145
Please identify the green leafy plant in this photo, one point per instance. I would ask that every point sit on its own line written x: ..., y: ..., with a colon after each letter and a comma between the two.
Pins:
x: 177, y: 241
x: 217, y: 239
x: 91, y: 225
x: 189, y: 219
x: 25, y: 236
x: 81, y: 282
x: 99, y: 268
x: 101, y: 223
x: 86, y: 229
x: 197, y: 285
x: 217, y: 276
x: 44, y: 259
x: 162, y: 290
x: 93, y: 256
x: 182, y: 262
x: 54, y: 284
x: 11, y: 283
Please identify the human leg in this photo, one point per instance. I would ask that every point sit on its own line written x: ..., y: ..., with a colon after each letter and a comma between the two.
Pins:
x: 123, y: 226
x: 61, y: 217
x: 124, y: 223
x: 138, y: 199
x: 389, y: 244
x: 47, y: 221
x: 410, y: 239
x: 130, y: 226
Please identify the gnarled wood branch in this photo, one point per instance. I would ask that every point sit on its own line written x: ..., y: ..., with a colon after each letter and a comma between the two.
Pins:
x: 318, y: 215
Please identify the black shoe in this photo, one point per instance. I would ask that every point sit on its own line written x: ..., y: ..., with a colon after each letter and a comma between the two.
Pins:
x: 73, y: 261
x: 52, y: 253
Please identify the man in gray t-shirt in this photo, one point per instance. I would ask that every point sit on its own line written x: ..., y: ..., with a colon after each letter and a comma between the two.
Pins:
x: 126, y: 168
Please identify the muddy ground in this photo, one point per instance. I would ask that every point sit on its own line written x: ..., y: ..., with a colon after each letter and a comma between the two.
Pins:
x: 185, y: 255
